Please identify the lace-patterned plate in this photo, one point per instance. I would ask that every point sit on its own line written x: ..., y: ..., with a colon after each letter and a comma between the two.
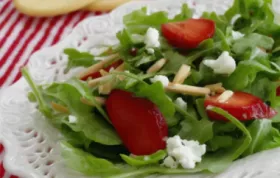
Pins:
x: 31, y: 143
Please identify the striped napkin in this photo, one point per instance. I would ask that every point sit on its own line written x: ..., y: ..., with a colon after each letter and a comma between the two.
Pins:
x: 20, y: 36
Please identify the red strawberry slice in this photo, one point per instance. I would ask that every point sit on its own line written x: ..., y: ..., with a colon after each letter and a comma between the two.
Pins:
x: 97, y: 74
x: 278, y: 91
x: 188, y: 34
x: 138, y: 121
x: 241, y: 105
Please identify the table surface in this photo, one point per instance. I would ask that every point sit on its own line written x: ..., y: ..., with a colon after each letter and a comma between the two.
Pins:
x: 20, y: 36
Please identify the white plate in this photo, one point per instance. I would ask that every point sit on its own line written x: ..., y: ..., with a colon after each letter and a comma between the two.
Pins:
x: 31, y: 143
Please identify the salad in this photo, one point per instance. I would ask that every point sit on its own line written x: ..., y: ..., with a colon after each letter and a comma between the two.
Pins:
x: 177, y: 95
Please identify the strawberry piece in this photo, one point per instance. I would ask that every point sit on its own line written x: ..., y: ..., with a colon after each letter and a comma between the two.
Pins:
x: 97, y: 74
x: 138, y: 121
x: 188, y: 34
x: 278, y: 91
x: 241, y: 105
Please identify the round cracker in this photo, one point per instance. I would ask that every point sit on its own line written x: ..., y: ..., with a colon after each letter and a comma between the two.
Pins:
x: 105, y: 5
x: 46, y: 8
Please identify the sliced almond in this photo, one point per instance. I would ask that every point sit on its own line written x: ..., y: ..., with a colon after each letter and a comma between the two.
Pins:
x: 157, y: 66
x: 95, y: 82
x: 105, y: 89
x: 182, y: 74
x: 59, y: 108
x: 226, y: 95
x: 100, y: 100
x: 188, y: 90
x: 103, y: 72
x: 217, y: 88
x: 98, y: 66
x: 120, y: 68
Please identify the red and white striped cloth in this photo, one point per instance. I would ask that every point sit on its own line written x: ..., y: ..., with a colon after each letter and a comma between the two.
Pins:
x: 21, y: 35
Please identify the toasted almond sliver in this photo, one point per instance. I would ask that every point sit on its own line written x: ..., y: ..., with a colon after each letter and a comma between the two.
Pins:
x: 59, y: 108
x: 157, y: 66
x: 182, y: 74
x: 105, y: 89
x: 100, y: 100
x: 120, y: 68
x: 95, y: 82
x: 188, y: 90
x: 98, y: 66
x: 103, y: 72
x: 217, y: 88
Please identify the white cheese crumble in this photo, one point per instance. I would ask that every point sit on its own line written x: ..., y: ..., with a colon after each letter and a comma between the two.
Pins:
x: 150, y: 50
x: 236, y: 35
x: 181, y: 103
x: 184, y: 152
x: 225, y: 64
x: 151, y: 38
x: 160, y: 78
x: 226, y: 95
x: 72, y: 119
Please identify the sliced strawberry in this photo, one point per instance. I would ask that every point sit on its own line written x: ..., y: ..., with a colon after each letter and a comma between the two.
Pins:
x: 188, y: 34
x: 241, y: 105
x: 138, y: 121
x: 278, y: 91
x: 97, y: 74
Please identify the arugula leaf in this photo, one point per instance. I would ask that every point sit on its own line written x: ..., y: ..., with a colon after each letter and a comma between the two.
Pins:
x: 259, y: 130
x: 185, y: 14
x: 144, y: 160
x: 78, y: 59
x: 200, y: 130
x: 251, y: 41
x: 110, y: 152
x: 86, y: 163
x: 139, y: 21
x: 37, y: 93
x: 265, y: 89
x: 246, y: 77
x: 155, y: 93
x: 220, y: 160
x: 91, y: 124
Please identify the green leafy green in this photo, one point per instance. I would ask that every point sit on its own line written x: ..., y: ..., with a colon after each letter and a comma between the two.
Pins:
x: 78, y: 59
x: 139, y: 21
x: 86, y: 163
x: 144, y: 160
x: 251, y: 41
x: 91, y: 124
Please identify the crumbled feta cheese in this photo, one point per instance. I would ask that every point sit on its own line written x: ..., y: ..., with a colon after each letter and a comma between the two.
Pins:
x: 225, y: 64
x: 72, y: 119
x: 184, y: 152
x: 225, y: 96
x: 152, y: 38
x: 237, y: 35
x: 170, y: 162
x: 160, y: 78
x: 181, y: 103
x: 150, y: 50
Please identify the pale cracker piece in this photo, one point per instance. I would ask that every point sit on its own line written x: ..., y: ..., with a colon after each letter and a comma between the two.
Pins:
x: 105, y: 5
x: 47, y: 8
